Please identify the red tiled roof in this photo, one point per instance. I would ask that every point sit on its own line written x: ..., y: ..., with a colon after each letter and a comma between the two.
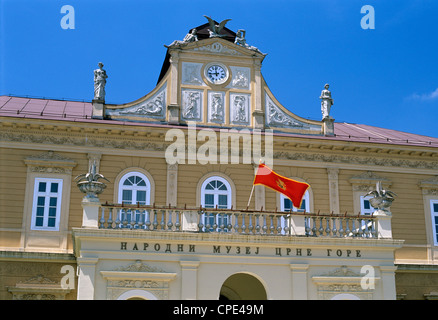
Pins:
x: 81, y: 112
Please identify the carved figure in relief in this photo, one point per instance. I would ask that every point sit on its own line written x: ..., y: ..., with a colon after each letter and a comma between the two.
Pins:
x: 240, y: 80
x: 240, y: 110
x: 154, y: 107
x: 276, y: 117
x: 191, y: 74
x: 191, y: 105
x: 100, y: 77
x: 326, y: 102
x: 216, y: 107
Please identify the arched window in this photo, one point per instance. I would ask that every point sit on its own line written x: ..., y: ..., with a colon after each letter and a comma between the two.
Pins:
x: 216, y: 193
x: 134, y: 188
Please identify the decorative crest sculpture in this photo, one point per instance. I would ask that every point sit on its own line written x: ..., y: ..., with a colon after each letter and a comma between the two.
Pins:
x: 382, y: 199
x: 215, y: 29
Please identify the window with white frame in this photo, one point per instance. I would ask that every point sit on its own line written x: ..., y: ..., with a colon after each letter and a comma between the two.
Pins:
x: 46, y: 207
x: 134, y: 188
x: 286, y: 204
x: 216, y: 193
x: 434, y: 213
x: 365, y: 206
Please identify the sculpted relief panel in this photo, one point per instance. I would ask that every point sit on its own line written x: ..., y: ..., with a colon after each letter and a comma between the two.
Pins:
x: 240, y: 108
x: 216, y: 107
x: 241, y: 78
x: 191, y: 74
x: 192, y: 104
x: 154, y: 107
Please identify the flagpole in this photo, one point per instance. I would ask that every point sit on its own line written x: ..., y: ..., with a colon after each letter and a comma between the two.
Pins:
x: 250, y: 196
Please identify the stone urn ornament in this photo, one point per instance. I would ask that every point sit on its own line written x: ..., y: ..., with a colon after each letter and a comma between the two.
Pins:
x: 382, y: 199
x: 89, y: 183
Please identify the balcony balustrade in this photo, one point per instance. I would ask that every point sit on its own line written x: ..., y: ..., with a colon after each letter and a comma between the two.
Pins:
x: 245, y: 222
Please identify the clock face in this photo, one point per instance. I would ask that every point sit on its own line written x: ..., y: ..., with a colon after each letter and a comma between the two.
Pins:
x: 216, y: 73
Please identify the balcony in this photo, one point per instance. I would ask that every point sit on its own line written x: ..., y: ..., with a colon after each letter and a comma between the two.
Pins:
x: 243, y: 222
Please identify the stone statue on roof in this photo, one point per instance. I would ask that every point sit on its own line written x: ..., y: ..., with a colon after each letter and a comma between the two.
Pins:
x: 215, y: 29
x: 99, y: 83
x: 190, y: 37
x: 326, y: 102
x: 241, y: 41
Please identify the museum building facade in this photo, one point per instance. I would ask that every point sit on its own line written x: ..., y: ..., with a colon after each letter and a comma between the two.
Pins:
x: 154, y: 199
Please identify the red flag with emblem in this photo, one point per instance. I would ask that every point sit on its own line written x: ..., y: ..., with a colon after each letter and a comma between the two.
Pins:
x: 292, y: 189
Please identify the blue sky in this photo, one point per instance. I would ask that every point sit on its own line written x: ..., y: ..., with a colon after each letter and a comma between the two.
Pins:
x: 385, y: 77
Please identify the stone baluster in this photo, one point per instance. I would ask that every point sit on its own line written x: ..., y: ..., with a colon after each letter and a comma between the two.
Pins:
x: 133, y: 219
x: 124, y: 218
x: 229, y: 225
x: 102, y: 219
x: 250, y: 226
x: 257, y: 222
x: 279, y: 225
x: 155, y: 223
x: 334, y: 230
x: 272, y: 228
x: 321, y: 229
x: 163, y: 217
x: 243, y: 224
x: 177, y: 223
x: 169, y: 220
x: 287, y: 223
x: 347, y: 228
x: 341, y: 228
x: 265, y: 227
x: 214, y: 226
x: 147, y: 219
x: 314, y: 229
x: 118, y: 218
x: 327, y: 228
x: 141, y: 220
x: 236, y: 222
x: 200, y: 221
x: 110, y: 218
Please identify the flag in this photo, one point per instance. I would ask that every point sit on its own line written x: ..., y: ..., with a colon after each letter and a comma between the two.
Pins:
x: 292, y: 189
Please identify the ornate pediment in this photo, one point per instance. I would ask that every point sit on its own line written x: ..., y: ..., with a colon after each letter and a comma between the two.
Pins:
x: 140, y: 276
x: 38, y: 288
x: 429, y: 186
x: 50, y: 162
x: 369, y: 178
x: 218, y: 47
x: 138, y: 266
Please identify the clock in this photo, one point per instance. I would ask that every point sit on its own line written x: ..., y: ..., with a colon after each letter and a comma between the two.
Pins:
x: 216, y: 73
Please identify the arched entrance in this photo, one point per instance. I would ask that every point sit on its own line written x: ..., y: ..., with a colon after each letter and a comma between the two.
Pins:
x: 137, y: 295
x: 242, y: 286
